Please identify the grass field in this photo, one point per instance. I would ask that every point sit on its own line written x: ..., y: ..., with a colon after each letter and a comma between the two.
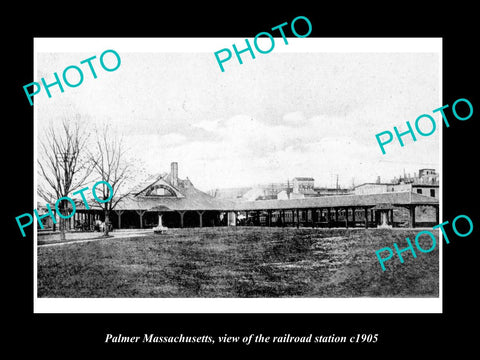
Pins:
x: 239, y: 262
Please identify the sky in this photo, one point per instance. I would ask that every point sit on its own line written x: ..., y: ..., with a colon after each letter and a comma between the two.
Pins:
x: 284, y: 114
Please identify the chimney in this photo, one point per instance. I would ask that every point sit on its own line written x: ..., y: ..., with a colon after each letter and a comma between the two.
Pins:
x: 174, y: 174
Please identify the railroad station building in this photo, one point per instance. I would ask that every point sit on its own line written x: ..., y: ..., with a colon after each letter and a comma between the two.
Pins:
x: 166, y: 200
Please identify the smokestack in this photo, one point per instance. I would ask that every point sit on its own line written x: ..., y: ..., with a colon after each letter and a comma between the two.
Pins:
x: 174, y: 174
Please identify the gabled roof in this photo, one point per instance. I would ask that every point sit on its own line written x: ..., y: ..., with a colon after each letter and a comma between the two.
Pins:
x: 151, y: 180
x: 162, y: 183
x: 189, y: 198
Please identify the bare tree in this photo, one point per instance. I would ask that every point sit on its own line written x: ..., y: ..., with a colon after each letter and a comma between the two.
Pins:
x: 110, y: 163
x: 62, y: 164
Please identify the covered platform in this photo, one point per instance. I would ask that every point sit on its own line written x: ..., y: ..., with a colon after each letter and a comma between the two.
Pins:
x: 340, y: 211
x: 197, y: 209
x: 165, y: 200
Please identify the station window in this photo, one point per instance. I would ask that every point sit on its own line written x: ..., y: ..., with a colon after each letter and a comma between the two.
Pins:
x: 419, y: 191
x: 432, y: 192
x: 159, y: 190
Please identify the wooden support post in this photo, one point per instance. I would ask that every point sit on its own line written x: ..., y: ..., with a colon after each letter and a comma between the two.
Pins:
x: 366, y: 218
x: 336, y: 215
x: 298, y: 220
x: 269, y: 218
x: 328, y: 217
x: 140, y: 213
x: 346, y: 218
x: 412, y: 216
x: 55, y: 216
x: 119, y: 215
x: 391, y: 217
x: 353, y: 216
x: 181, y: 218
x: 283, y: 218
x: 200, y: 215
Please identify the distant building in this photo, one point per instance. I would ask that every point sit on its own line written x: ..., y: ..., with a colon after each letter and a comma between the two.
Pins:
x: 428, y: 176
x: 331, y: 191
x: 419, y: 188
x: 426, y: 183
x: 304, y: 185
x: 298, y: 188
x: 372, y: 188
x: 427, y: 190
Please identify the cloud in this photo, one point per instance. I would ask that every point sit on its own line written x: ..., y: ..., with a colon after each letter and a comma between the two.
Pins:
x: 172, y: 139
x: 243, y: 150
x: 294, y: 118
x: 208, y: 125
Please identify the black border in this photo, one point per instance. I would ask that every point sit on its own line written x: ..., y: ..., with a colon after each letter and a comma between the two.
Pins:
x: 402, y: 333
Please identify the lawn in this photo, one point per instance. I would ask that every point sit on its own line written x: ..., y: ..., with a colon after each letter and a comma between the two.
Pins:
x: 239, y: 262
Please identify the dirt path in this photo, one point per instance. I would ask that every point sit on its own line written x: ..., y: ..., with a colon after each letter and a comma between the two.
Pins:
x: 75, y: 238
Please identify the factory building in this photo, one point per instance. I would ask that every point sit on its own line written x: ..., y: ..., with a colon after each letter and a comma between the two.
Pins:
x: 426, y: 183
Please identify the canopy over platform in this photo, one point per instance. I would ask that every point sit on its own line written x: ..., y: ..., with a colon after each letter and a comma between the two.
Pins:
x: 340, y: 201
x: 383, y: 206
x: 196, y: 200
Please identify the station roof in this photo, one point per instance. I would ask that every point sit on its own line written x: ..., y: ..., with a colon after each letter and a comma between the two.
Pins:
x: 197, y: 200
x: 193, y: 199
x: 394, y: 198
